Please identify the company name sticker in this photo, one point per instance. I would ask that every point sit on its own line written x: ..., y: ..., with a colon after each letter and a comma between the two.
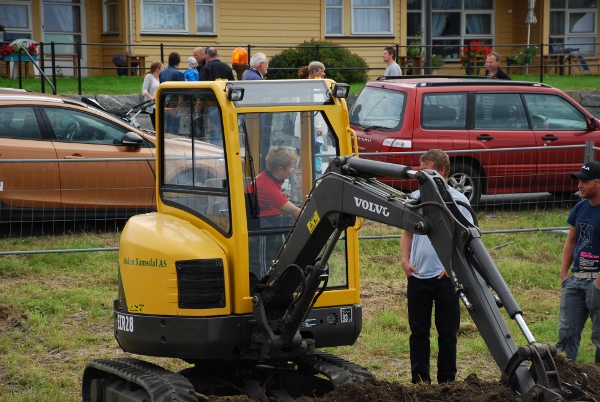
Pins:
x: 151, y: 262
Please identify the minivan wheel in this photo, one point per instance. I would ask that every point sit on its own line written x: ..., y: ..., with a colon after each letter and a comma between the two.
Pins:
x: 467, y: 181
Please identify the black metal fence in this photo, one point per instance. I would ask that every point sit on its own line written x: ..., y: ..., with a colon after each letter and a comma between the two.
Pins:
x: 56, y: 59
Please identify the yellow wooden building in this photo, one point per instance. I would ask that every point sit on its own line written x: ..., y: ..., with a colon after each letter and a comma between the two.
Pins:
x: 106, y: 28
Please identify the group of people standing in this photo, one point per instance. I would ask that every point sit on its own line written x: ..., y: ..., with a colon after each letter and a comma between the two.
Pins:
x: 204, y: 65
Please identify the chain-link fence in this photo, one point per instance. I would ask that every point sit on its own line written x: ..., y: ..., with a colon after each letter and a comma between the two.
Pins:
x: 51, y: 205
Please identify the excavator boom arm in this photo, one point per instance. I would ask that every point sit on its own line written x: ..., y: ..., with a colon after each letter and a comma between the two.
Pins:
x: 456, y: 241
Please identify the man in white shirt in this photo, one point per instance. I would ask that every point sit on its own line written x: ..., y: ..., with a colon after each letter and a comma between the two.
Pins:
x: 429, y: 285
x: 389, y: 58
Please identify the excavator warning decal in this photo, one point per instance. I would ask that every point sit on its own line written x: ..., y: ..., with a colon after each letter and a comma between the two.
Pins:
x: 313, y: 222
x: 346, y: 314
x: 136, y: 308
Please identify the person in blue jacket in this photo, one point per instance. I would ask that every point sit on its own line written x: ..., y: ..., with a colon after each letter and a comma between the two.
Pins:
x: 172, y: 109
x: 171, y: 73
x: 258, y: 68
x: 191, y: 74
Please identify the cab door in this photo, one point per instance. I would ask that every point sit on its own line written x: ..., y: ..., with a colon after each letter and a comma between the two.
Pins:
x: 558, y: 123
x: 500, y: 121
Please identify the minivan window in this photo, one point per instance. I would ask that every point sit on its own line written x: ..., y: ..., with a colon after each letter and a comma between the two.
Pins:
x: 378, y: 108
x: 551, y: 112
x: 499, y: 112
x: 444, y: 111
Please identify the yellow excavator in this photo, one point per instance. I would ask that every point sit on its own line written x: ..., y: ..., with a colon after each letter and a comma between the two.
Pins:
x: 248, y: 300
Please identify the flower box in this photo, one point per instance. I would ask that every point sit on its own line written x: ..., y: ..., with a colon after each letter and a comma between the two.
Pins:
x: 15, y: 57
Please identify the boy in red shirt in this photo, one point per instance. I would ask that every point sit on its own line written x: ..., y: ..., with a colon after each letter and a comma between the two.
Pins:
x: 280, y: 166
x: 273, y: 205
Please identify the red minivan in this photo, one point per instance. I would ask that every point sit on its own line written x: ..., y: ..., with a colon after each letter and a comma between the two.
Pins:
x: 503, y: 137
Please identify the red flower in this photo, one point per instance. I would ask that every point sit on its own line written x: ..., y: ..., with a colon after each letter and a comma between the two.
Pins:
x: 6, y: 50
x: 32, y: 48
x: 478, y: 52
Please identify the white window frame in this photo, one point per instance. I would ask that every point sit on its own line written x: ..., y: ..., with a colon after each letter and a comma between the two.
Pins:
x: 463, y: 38
x: 389, y: 7
x: 213, y: 5
x: 177, y: 30
x: 25, y: 31
x: 335, y: 7
x: 568, y: 36
x: 107, y: 15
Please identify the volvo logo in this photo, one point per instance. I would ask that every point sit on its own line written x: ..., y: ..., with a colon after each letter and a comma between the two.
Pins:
x: 371, y: 207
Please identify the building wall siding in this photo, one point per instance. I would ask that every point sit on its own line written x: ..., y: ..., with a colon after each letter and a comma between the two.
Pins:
x: 271, y: 27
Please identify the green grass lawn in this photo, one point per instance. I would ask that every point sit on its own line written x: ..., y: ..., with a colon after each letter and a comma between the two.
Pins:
x: 56, y: 309
x: 116, y: 85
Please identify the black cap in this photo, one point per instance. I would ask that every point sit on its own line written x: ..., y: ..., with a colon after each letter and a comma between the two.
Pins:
x: 589, y: 171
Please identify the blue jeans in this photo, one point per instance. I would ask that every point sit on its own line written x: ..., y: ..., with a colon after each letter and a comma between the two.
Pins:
x: 580, y: 299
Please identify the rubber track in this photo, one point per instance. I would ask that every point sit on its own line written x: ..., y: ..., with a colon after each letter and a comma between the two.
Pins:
x: 162, y: 385
x: 339, y: 371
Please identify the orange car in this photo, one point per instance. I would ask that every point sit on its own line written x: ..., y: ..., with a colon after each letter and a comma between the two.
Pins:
x: 56, y: 161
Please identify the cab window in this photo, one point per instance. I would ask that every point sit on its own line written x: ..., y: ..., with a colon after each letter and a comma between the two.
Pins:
x: 306, y: 136
x: 194, y: 177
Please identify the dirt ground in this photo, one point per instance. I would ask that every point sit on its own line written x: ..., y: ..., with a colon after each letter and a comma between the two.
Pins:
x: 471, y: 389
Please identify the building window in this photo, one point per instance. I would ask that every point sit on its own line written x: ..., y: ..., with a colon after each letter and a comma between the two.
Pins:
x: 15, y: 16
x: 111, y: 16
x: 164, y: 16
x: 454, y: 23
x: 573, y: 25
x: 414, y: 21
x: 371, y: 17
x: 334, y: 17
x: 205, y: 16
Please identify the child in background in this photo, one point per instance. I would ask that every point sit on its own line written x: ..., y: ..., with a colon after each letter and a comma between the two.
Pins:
x: 191, y: 74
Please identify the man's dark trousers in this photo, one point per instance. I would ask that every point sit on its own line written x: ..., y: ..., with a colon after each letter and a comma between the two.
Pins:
x: 421, y: 295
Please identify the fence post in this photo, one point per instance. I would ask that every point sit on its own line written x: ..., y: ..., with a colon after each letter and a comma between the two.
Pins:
x: 19, y: 68
x: 317, y: 55
x: 162, y: 53
x: 53, y: 55
x: 542, y: 62
x: 78, y: 52
x: 469, y: 58
x: 41, y: 52
x: 588, y: 155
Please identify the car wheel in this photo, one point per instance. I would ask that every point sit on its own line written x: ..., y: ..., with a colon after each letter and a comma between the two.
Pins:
x: 189, y: 177
x: 467, y: 181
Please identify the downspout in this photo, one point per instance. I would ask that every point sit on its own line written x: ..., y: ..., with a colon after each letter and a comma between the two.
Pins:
x: 130, y: 28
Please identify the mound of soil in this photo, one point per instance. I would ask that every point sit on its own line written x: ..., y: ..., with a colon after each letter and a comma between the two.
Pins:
x: 471, y: 389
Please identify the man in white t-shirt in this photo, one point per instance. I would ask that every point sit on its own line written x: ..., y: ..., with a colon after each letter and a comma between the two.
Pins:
x: 429, y: 286
x: 389, y: 58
